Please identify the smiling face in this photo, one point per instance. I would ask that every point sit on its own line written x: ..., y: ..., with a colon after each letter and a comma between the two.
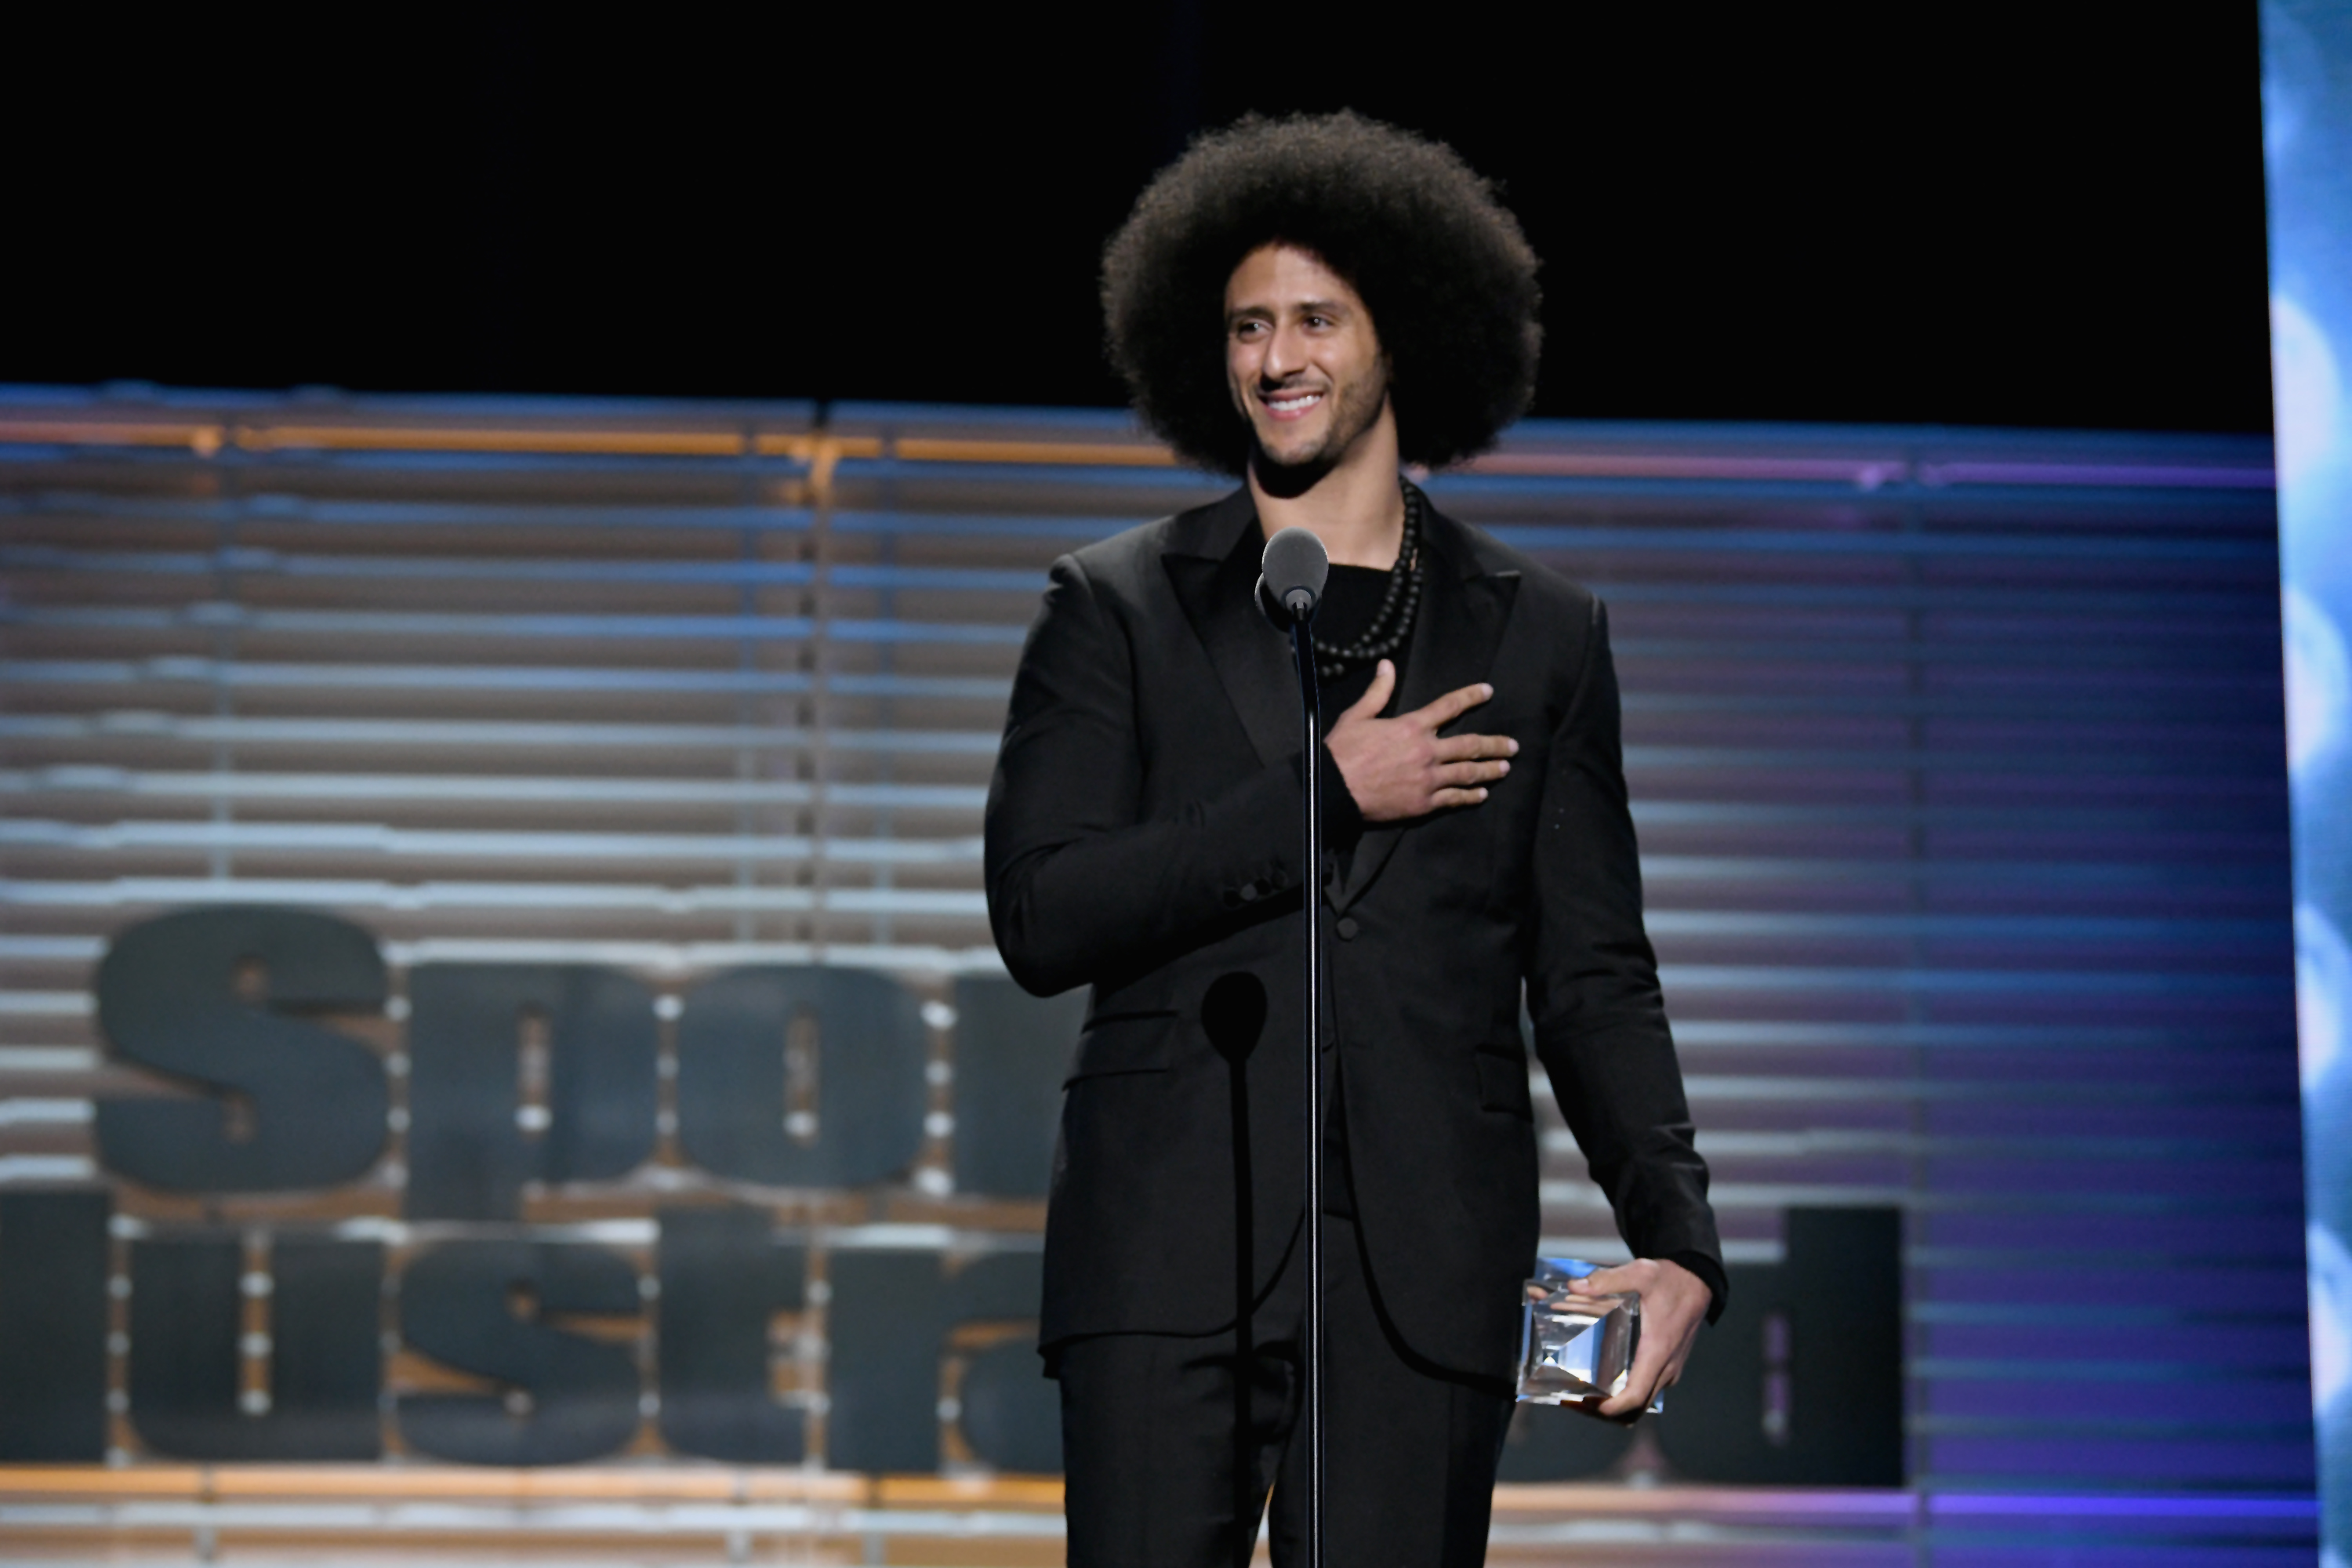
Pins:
x: 1301, y: 358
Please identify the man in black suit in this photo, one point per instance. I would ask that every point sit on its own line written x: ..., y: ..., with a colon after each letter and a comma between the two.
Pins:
x: 1312, y: 302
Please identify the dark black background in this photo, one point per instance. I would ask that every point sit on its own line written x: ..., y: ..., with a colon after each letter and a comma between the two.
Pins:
x: 1948, y: 214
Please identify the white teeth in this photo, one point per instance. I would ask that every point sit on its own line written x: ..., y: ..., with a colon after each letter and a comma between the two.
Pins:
x: 1286, y: 404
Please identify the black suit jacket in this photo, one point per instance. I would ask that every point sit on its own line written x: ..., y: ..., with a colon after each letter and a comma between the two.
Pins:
x: 1142, y: 837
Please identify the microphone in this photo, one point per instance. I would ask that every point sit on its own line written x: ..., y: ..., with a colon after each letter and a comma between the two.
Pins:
x: 1292, y: 572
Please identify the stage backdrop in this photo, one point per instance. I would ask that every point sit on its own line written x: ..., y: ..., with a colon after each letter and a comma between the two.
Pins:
x: 2306, y: 129
x: 497, y: 973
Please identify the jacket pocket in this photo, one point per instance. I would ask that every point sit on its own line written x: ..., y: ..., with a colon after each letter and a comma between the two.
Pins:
x: 1132, y: 1042
x: 1503, y: 1082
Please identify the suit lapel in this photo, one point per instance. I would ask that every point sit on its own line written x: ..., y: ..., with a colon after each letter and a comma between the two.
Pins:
x: 1215, y: 579
x: 1463, y: 610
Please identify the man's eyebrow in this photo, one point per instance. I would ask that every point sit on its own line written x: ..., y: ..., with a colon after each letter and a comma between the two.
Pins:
x: 1303, y: 307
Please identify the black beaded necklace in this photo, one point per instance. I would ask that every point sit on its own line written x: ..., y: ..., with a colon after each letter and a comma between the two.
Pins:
x: 1393, y: 623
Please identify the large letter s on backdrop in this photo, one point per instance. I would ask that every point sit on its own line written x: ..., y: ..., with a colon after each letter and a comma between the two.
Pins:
x: 167, y: 1000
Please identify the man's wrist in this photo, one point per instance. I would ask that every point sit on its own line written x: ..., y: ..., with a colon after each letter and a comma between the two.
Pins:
x: 1708, y: 1270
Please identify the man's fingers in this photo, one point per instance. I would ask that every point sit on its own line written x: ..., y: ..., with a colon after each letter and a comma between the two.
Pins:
x: 1376, y: 695
x: 1452, y: 705
x: 1641, y: 1380
x: 1607, y: 1281
x: 1464, y: 748
x: 1674, y: 1305
x: 1400, y: 768
x: 1463, y: 775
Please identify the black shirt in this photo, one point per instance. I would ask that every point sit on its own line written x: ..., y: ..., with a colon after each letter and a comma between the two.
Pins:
x: 1352, y: 597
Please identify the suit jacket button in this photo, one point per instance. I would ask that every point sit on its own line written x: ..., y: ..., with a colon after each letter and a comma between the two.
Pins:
x: 1347, y: 928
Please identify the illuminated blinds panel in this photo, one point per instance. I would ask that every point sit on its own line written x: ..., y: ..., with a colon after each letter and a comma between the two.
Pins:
x: 1958, y: 764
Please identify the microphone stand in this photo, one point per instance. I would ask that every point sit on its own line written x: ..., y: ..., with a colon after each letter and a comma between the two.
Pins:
x: 1302, y: 650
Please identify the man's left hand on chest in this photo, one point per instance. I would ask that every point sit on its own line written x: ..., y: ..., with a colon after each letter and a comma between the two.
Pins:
x: 1674, y: 1305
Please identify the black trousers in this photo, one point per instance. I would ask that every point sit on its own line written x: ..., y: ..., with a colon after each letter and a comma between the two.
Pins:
x: 1171, y: 1442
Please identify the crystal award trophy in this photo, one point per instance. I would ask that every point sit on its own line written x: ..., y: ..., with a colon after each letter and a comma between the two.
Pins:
x: 1576, y: 1351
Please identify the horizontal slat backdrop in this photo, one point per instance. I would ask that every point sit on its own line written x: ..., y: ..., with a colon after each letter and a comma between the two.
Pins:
x: 1956, y: 760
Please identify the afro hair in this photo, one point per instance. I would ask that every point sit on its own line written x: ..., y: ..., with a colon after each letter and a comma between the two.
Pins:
x: 1442, y: 266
